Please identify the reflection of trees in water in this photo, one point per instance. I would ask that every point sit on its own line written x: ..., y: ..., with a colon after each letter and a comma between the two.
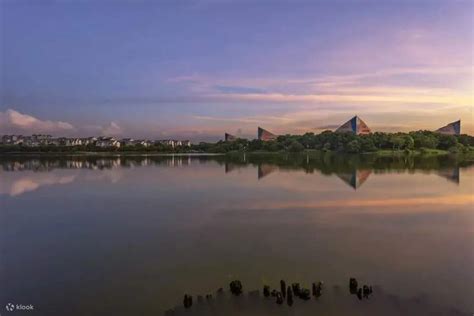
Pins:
x: 352, y: 169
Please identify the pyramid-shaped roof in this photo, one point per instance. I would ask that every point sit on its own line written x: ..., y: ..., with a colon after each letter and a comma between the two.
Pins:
x: 453, y: 128
x: 265, y: 135
x: 229, y: 137
x: 355, y: 125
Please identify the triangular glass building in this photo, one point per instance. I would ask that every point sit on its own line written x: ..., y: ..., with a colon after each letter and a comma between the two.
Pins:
x: 229, y: 137
x: 453, y: 128
x: 354, y: 125
x: 265, y: 135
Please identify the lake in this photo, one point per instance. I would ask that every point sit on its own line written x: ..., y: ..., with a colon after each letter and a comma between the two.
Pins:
x: 129, y: 235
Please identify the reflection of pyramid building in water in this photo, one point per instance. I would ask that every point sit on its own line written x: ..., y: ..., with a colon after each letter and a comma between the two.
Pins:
x: 229, y: 137
x: 356, y: 178
x: 453, y: 128
x: 354, y: 125
x: 229, y: 167
x: 265, y: 169
x: 450, y: 174
x: 265, y: 135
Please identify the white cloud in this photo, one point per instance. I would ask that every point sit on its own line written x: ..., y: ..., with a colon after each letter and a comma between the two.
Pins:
x: 113, y: 129
x: 12, y: 121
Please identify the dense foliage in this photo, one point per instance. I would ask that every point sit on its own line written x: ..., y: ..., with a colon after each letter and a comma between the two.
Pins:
x: 348, y: 142
x: 326, y: 141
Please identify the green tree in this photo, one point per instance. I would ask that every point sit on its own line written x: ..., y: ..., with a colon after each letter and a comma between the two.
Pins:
x: 447, y: 141
x: 408, y: 142
x: 295, y: 147
x: 367, y: 144
x: 397, y: 142
x: 353, y: 146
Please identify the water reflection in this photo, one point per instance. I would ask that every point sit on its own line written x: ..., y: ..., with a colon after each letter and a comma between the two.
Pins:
x: 129, y: 235
x: 264, y: 170
x: 356, y: 178
x: 450, y: 174
x: 23, y: 184
x: 352, y: 170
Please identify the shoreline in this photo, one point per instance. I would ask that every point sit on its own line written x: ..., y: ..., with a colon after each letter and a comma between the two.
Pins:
x: 385, y: 152
x: 103, y: 154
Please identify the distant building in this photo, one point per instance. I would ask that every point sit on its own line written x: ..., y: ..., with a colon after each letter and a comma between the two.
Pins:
x: 63, y: 141
x: 12, y: 139
x: 174, y: 143
x: 6, y: 139
x: 229, y: 137
x: 143, y: 142
x: 354, y: 125
x: 54, y: 142
x: 105, y: 142
x: 453, y: 128
x: 127, y: 142
x: 265, y: 135
x: 75, y: 141
x: 29, y: 141
x: 166, y: 142
x: 186, y: 143
x: 133, y: 142
x: 89, y: 141
x: 41, y: 139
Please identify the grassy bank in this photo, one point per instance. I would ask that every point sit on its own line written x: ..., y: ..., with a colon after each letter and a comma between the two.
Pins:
x: 382, y: 152
x: 422, y: 151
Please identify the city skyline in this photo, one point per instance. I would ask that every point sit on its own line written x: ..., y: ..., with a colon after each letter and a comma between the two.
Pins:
x: 193, y: 70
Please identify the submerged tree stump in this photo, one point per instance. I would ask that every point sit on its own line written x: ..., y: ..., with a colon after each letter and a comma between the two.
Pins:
x: 187, y: 301
x: 296, y: 289
x: 289, y: 296
x: 236, y: 287
x: 279, y: 297
x: 353, y: 285
x: 283, y: 288
x: 266, y: 291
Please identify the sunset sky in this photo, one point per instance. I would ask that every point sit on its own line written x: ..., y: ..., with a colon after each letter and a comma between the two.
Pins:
x: 197, y: 69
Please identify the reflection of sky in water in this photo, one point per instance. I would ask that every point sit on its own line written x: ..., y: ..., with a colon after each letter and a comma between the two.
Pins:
x: 129, y: 240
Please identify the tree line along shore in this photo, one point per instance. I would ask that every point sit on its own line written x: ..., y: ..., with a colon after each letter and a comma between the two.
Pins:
x: 384, y: 143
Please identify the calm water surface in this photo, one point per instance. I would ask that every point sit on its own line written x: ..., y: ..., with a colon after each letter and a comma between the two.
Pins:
x: 130, y: 235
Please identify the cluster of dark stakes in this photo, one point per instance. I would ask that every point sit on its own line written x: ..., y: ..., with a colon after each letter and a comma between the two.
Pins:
x: 295, y: 290
x: 361, y: 292
x: 288, y: 293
